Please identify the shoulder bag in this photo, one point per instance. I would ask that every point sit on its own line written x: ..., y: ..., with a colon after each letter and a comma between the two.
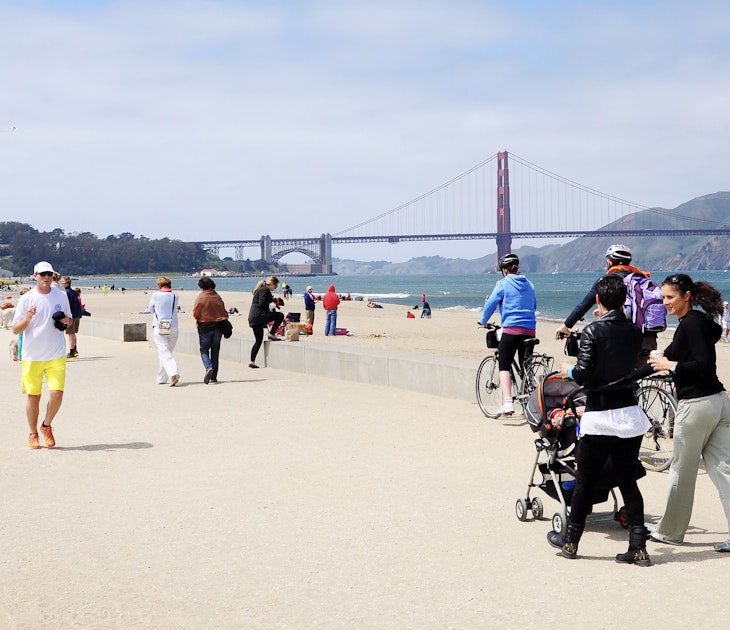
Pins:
x: 164, y: 326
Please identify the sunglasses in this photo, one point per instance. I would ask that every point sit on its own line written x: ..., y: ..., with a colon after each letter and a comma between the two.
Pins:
x: 45, y: 274
x: 679, y: 282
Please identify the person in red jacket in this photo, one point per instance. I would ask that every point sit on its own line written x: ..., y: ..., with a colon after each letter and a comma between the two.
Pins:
x: 330, y: 302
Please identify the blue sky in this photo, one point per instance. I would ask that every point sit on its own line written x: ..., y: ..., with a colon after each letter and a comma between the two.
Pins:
x: 207, y: 120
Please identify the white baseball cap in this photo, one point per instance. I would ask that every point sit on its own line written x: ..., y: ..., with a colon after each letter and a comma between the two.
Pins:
x: 309, y: 288
x: 42, y: 266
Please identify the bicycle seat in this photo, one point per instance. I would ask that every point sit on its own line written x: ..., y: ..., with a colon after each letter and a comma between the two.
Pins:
x: 531, y: 343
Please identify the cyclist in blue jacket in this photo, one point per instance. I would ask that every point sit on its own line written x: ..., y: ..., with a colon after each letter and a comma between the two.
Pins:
x: 514, y: 295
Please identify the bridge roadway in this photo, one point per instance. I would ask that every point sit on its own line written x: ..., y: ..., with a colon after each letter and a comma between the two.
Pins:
x: 319, y: 249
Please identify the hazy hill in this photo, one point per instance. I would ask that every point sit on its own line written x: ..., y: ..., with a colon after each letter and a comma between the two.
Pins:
x: 688, y: 253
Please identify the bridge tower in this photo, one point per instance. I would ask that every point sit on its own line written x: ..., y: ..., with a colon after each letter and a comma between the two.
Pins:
x: 504, y: 230
x: 266, y: 249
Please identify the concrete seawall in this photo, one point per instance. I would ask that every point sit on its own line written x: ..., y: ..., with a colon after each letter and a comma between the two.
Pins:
x: 440, y: 376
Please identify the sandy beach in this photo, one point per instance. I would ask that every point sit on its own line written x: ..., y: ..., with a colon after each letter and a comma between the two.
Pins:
x: 282, y: 500
x: 446, y: 333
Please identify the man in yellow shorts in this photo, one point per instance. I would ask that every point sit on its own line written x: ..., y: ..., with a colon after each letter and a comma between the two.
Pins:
x: 42, y: 315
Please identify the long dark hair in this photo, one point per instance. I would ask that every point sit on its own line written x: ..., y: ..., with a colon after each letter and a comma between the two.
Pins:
x: 703, y: 293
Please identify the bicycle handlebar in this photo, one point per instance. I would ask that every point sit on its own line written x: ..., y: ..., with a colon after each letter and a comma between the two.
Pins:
x: 489, y: 326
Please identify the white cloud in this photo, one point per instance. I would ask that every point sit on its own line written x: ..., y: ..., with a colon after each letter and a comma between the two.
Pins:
x: 234, y: 119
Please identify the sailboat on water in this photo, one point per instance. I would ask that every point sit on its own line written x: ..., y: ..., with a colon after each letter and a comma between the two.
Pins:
x: 555, y: 271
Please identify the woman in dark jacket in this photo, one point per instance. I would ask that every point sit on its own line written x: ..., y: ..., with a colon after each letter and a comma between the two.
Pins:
x: 612, y: 425
x: 263, y: 310
x: 702, y: 422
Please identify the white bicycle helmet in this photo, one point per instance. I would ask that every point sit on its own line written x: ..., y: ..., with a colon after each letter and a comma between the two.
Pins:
x: 619, y: 254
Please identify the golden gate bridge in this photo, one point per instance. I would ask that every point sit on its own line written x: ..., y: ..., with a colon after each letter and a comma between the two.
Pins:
x: 542, y: 204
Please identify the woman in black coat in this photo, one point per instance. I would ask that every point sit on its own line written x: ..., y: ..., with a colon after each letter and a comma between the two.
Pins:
x: 612, y: 425
x: 263, y: 310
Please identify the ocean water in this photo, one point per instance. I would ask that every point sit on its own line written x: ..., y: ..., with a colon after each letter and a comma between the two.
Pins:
x: 557, y: 294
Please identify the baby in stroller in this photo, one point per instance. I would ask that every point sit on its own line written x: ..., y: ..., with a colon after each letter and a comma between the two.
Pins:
x: 553, y: 411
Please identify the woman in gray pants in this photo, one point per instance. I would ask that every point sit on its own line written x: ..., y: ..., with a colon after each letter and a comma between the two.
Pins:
x: 702, y: 422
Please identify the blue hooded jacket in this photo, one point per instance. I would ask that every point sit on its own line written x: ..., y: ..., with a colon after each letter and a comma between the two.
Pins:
x: 515, y: 296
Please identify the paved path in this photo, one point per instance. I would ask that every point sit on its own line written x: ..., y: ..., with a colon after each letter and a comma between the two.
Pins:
x: 277, y: 500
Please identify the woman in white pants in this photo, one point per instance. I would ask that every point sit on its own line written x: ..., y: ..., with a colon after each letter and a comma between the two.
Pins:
x: 163, y: 306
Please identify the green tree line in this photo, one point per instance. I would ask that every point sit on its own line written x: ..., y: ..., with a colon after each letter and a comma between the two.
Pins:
x: 21, y: 246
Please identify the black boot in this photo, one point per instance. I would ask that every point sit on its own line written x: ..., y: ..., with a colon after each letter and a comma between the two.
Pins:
x: 637, y: 548
x: 568, y: 544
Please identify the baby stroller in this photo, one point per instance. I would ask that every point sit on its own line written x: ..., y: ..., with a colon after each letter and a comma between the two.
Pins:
x: 552, y: 413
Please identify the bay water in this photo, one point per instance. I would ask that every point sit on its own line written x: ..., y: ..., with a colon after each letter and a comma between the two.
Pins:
x: 557, y: 294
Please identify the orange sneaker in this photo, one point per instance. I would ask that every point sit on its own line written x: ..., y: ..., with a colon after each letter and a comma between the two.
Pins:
x: 48, y: 436
x: 33, y: 441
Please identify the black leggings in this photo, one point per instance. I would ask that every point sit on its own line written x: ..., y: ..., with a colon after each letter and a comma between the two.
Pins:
x: 591, y: 456
x: 509, y: 345
x: 258, y: 332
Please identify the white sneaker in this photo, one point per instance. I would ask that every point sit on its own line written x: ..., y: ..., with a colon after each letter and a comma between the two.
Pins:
x: 655, y: 535
x: 507, y: 409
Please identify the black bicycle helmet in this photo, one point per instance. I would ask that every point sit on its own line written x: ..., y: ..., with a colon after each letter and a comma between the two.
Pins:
x: 619, y: 254
x: 508, y: 260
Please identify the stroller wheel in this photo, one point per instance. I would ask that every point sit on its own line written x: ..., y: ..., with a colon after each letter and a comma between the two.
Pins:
x: 536, y: 507
x: 521, y: 509
x: 558, y: 523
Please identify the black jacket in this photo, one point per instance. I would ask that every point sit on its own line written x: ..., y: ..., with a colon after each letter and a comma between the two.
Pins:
x: 74, y: 303
x: 607, y: 352
x: 260, y: 312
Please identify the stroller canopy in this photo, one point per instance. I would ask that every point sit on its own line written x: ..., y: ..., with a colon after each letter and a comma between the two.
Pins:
x: 552, y: 393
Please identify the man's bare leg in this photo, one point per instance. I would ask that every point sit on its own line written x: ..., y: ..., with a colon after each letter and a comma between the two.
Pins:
x: 54, y: 404
x: 32, y: 407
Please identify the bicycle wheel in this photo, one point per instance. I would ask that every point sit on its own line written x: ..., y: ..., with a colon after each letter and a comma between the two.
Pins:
x: 489, y: 392
x: 537, y: 370
x: 541, y: 366
x: 657, y: 447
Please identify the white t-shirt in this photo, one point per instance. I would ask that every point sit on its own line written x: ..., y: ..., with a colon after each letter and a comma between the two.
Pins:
x: 42, y: 341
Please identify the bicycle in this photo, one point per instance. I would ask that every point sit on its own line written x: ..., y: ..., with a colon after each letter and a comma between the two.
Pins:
x: 657, y: 397
x: 525, y: 378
